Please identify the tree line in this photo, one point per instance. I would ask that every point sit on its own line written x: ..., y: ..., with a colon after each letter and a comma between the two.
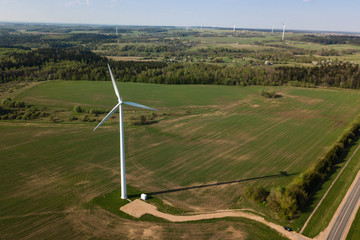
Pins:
x: 292, y: 198
x: 54, y: 40
x: 289, y: 200
x: 63, y: 64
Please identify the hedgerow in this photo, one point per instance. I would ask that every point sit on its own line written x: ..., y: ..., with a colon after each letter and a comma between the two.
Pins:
x: 287, y: 201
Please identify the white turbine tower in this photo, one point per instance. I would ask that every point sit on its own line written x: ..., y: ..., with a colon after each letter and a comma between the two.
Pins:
x: 122, y: 148
x: 283, y: 34
x: 234, y: 28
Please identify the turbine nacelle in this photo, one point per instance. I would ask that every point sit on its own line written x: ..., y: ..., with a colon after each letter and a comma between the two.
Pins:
x: 120, y: 102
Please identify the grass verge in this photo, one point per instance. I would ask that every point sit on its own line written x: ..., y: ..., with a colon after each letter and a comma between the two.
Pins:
x: 112, y: 202
x: 354, y: 232
x: 326, y: 210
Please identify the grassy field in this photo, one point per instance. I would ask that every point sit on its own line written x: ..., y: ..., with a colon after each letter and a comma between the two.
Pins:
x: 354, y: 232
x: 210, y: 134
x: 47, y: 183
x: 231, y: 127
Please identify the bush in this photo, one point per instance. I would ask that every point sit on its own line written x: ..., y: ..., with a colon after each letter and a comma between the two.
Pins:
x: 73, y: 118
x: 281, y: 201
x: 85, y: 118
x: 93, y: 111
x: 12, y: 116
x: 257, y: 193
x: 43, y: 114
x: 26, y: 116
x: 143, y: 119
x: 78, y: 109
x: 267, y: 94
x: 8, y: 102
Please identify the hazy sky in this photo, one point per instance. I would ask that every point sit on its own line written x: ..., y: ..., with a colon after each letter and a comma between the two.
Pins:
x: 335, y: 15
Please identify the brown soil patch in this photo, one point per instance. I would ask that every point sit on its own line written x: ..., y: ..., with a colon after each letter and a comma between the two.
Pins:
x: 307, y: 100
x: 82, y: 183
x: 16, y: 92
x: 100, y: 224
x: 236, y: 234
x: 38, y: 184
x: 174, y: 120
x: 299, y: 114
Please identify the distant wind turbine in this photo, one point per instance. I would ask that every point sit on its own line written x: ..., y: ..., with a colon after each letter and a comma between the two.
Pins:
x: 234, y: 28
x: 122, y: 147
x: 283, y: 34
x: 272, y: 30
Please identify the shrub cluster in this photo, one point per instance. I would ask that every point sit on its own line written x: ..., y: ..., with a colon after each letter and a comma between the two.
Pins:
x: 268, y: 94
x: 94, y: 111
x: 8, y: 102
x: 87, y: 119
x: 288, y: 200
x: 144, y: 119
x: 18, y: 110
x: 257, y: 193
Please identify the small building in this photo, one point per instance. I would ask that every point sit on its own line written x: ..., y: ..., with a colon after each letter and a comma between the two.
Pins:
x: 143, y: 196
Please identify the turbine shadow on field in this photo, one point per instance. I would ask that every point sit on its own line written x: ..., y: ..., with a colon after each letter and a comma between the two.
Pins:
x: 281, y: 174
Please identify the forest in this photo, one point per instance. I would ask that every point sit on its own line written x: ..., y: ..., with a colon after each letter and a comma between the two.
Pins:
x: 82, y: 64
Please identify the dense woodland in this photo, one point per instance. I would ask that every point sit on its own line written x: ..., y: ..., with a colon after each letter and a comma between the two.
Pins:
x: 81, y: 64
x: 331, y: 39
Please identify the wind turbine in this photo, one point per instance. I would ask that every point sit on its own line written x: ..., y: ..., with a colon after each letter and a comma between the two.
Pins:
x: 122, y: 147
x: 283, y: 35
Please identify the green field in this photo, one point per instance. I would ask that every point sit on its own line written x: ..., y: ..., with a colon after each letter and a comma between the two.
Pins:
x: 207, y: 134
x: 354, y: 232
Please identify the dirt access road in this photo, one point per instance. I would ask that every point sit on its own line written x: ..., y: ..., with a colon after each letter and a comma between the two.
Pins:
x: 138, y: 208
x: 337, y: 229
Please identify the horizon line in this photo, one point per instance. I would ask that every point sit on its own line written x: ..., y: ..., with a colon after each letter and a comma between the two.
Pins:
x: 183, y: 26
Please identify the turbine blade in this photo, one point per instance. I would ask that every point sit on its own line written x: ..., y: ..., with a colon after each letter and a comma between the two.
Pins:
x: 107, y: 116
x: 114, y: 84
x: 139, y: 105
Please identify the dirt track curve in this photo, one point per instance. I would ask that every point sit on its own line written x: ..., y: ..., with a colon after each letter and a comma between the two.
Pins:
x: 138, y: 208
